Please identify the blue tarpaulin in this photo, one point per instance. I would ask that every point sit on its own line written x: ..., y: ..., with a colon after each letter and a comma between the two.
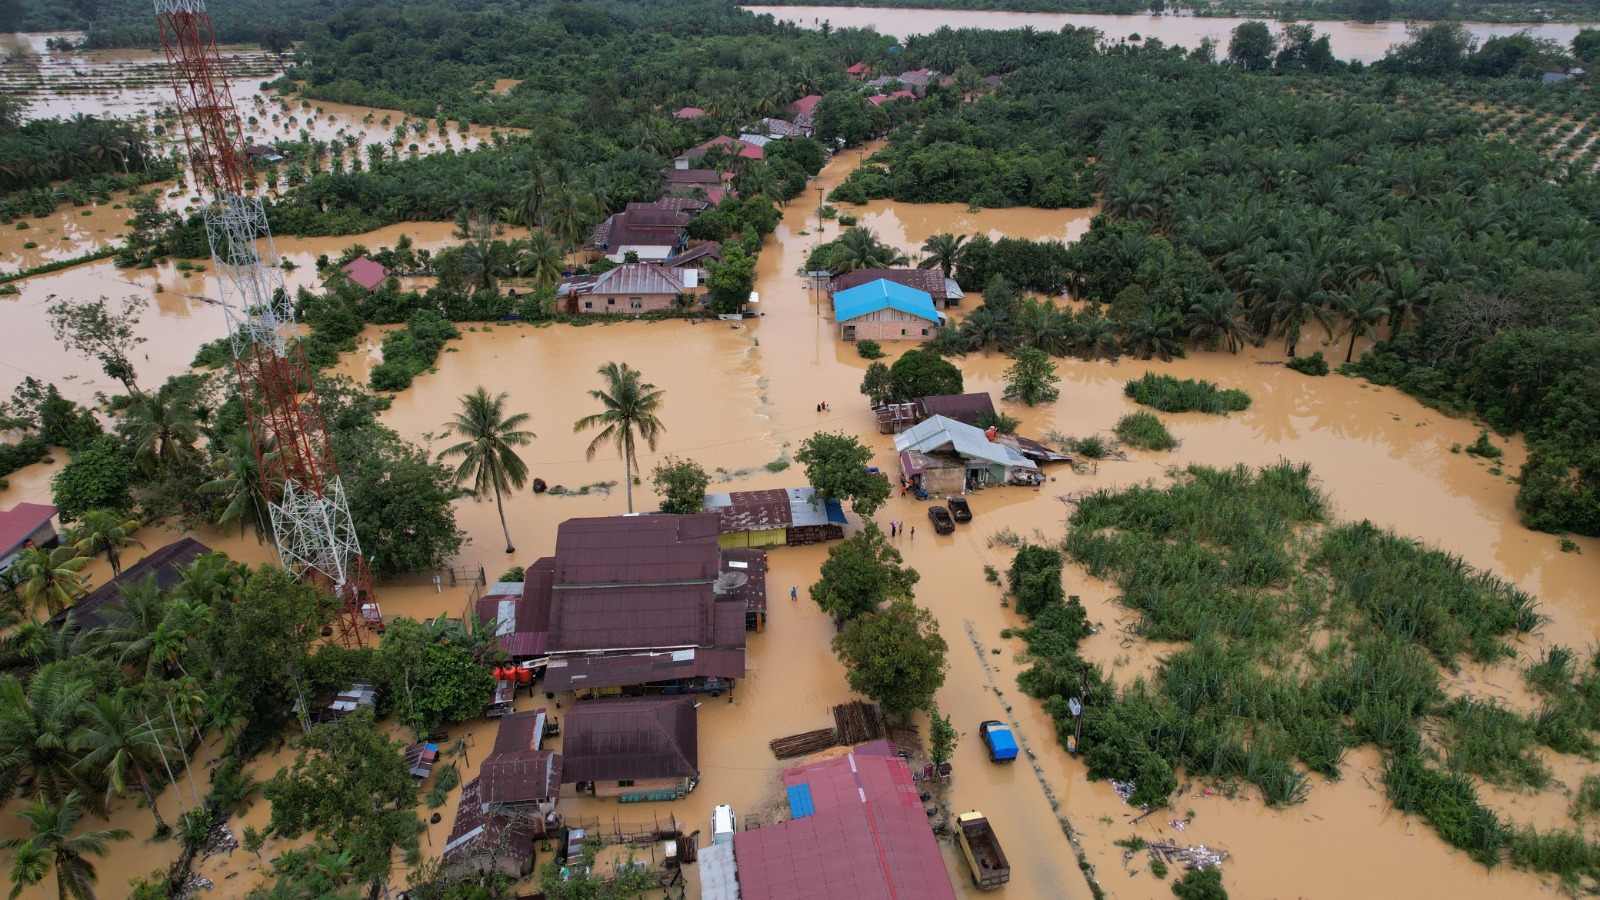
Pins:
x: 836, y: 512
x: 800, y: 804
x: 1001, y: 743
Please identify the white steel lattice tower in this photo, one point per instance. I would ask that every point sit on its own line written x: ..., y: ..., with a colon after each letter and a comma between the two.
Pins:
x: 311, y: 520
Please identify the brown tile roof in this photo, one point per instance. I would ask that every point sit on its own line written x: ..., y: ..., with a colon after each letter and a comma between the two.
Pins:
x: 650, y: 215
x: 929, y: 281
x: 638, y: 278
x: 163, y: 563
x: 521, y: 776
x: 637, y: 738
x: 689, y: 112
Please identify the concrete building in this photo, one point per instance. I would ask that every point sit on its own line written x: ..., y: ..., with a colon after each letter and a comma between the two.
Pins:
x: 944, y: 456
x: 884, y: 310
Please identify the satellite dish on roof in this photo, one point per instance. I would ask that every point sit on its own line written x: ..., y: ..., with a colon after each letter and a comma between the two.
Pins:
x: 727, y: 581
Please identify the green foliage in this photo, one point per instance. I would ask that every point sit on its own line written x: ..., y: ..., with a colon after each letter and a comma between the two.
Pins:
x: 1485, y: 739
x: 942, y: 736
x: 998, y: 420
x: 836, y: 467
x: 1031, y: 378
x: 730, y: 280
x: 1448, y: 801
x: 860, y: 573
x: 412, y: 350
x: 100, y: 476
x: 1200, y: 884
x: 920, y: 373
x: 1169, y: 394
x: 1034, y: 579
x: 399, y: 499
x: 1144, y: 431
x: 1484, y: 448
x: 867, y: 348
x: 895, y: 656
x: 681, y: 483
x: 1314, y: 365
x: 25, y: 452
x: 514, y: 574
x: 1586, y: 799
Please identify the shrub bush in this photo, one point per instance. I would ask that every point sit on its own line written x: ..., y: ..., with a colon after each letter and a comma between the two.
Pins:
x: 1309, y: 365
x: 870, y: 349
x: 1169, y: 394
x: 1144, y: 431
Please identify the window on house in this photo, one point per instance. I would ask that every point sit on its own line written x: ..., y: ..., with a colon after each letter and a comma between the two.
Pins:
x: 611, y: 301
x: 635, y: 303
x: 924, y: 332
x: 588, y: 304
x: 902, y: 332
x: 625, y: 783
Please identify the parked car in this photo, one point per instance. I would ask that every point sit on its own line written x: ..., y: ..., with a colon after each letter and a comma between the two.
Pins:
x: 959, y: 510
x: 998, y: 738
x: 942, y: 523
x: 724, y: 824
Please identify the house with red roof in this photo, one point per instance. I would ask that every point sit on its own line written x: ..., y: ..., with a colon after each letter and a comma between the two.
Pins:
x: 689, y: 112
x: 857, y: 831
x: 23, y: 526
x: 859, y: 71
x: 805, y: 106
x: 365, y: 272
x: 734, y: 145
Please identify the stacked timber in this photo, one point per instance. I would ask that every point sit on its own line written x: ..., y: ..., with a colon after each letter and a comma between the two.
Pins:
x: 802, y: 744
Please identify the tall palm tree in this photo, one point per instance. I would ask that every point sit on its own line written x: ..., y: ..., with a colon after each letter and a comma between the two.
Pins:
x: 1363, y: 309
x: 36, y: 730
x: 488, y: 454
x: 1156, y: 334
x: 132, y: 625
x: 52, y: 824
x: 51, y: 578
x: 541, y: 260
x: 859, y: 248
x: 239, y: 482
x: 104, y: 531
x: 119, y: 739
x: 629, y: 415
x: 162, y: 427
x: 943, y: 252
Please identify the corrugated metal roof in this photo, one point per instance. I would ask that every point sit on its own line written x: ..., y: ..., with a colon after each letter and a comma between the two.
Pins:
x: 21, y: 521
x: 868, y: 838
x: 751, y: 563
x: 710, y: 249
x: 575, y: 672
x: 521, y: 776
x: 636, y: 550
x: 961, y: 407
x: 636, y: 738
x: 806, y: 105
x: 89, y: 613
x: 475, y: 832
x: 939, y: 432
x: 520, y: 731
x: 365, y: 272
x: 883, y: 294
x: 638, y: 278
x: 930, y: 281
x: 631, y: 617
x: 719, y: 878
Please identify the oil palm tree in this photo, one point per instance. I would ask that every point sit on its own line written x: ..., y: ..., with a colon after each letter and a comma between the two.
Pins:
x: 119, y: 740
x: 239, y: 482
x: 1156, y: 333
x: 51, y: 578
x: 52, y: 824
x: 629, y: 415
x: 488, y: 451
x: 860, y: 248
x: 129, y: 636
x: 1214, y: 318
x: 104, y: 531
x: 943, y: 252
x: 37, y: 725
x: 1363, y: 310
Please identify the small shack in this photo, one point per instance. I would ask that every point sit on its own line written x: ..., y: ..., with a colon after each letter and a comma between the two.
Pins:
x: 774, y: 518
x: 943, y: 456
x: 636, y: 749
x: 486, y: 838
x: 365, y: 272
x: 23, y: 526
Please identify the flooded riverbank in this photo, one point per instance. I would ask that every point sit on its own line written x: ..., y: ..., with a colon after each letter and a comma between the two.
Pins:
x: 741, y: 395
x: 1349, y: 40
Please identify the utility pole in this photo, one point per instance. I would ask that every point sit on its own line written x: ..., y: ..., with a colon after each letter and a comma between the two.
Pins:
x: 819, y: 215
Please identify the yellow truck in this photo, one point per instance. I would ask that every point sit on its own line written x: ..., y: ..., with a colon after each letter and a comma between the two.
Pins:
x: 982, y: 850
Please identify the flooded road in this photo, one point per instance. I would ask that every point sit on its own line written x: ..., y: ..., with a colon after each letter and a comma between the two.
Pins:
x: 742, y: 395
x: 1349, y: 40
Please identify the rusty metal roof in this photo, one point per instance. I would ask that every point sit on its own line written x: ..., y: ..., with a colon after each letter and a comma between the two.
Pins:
x: 636, y: 738
x: 961, y: 407
x: 636, y: 550
x: 475, y: 832
x: 929, y: 281
x: 521, y: 776
x: 89, y: 612
x: 520, y: 731
x: 868, y: 838
x: 576, y: 672
x: 752, y: 563
x: 638, y: 278
x: 631, y: 617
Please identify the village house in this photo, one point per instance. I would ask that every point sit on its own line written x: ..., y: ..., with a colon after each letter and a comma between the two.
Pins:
x: 894, y: 418
x: 689, y: 112
x: 24, y: 526
x: 630, y: 289
x: 653, y: 232
x: 634, y: 602
x: 776, y: 129
x: 733, y: 145
x: 884, y: 310
x: 90, y: 612
x: 520, y: 777
x: 636, y: 749
x: 365, y: 272
x: 859, y: 71
x: 857, y: 830
x: 775, y: 518
x: 917, y: 80
x: 943, y: 456
x: 944, y: 292
x: 700, y: 258
x: 709, y: 183
x: 485, y: 838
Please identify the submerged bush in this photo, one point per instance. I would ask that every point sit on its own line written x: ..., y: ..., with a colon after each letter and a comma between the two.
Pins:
x: 1313, y: 365
x: 1168, y: 394
x: 1144, y: 431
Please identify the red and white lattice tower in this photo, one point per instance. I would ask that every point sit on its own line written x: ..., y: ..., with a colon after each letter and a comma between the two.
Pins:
x: 311, y: 521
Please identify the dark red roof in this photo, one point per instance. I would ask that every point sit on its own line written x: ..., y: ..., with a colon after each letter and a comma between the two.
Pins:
x: 689, y: 112
x: 805, y: 106
x: 572, y: 673
x: 859, y: 68
x: 631, y: 617
x: 710, y: 249
x: 636, y: 738
x: 476, y: 832
x: 521, y: 776
x: 868, y: 839
x: 519, y: 731
x: 753, y: 593
x: 929, y: 281
x: 636, y: 550
x: 89, y: 612
x: 696, y: 176
x: 961, y: 407
x: 19, y: 522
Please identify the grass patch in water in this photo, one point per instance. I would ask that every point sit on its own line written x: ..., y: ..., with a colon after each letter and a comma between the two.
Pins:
x: 1144, y: 431
x: 1485, y: 739
x: 1169, y: 394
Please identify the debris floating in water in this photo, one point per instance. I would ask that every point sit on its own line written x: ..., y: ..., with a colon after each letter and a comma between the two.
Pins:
x: 1124, y: 789
x: 1194, y: 856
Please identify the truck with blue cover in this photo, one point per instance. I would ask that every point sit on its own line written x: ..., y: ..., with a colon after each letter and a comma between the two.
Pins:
x: 998, y: 738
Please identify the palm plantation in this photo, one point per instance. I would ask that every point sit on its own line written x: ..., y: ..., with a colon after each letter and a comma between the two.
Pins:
x: 52, y: 845
x: 488, y: 449
x: 629, y: 416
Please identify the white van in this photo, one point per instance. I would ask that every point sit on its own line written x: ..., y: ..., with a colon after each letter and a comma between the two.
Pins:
x: 723, y: 825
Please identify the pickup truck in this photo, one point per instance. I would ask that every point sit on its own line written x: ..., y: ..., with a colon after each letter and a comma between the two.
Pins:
x: 982, y: 850
x: 959, y: 510
x: 942, y: 523
x: 998, y: 738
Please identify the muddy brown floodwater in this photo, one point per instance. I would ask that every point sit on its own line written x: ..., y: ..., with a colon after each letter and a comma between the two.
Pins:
x: 742, y: 395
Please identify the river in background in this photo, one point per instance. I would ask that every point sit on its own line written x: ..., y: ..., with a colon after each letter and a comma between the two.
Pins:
x: 740, y: 395
x: 1350, y: 40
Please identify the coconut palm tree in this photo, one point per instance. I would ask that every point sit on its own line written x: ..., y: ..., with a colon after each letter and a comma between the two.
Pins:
x: 36, y: 729
x: 103, y: 531
x: 943, y: 252
x: 161, y: 428
x: 119, y: 741
x: 239, y: 482
x: 541, y: 260
x: 488, y: 454
x: 629, y: 415
x: 51, y: 578
x: 52, y: 824
x: 132, y: 625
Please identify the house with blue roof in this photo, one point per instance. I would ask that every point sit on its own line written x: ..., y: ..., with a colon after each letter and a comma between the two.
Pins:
x: 883, y: 310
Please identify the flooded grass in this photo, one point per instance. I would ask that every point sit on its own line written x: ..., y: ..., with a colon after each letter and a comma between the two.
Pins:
x: 1169, y: 394
x: 1489, y: 741
x: 1144, y: 431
